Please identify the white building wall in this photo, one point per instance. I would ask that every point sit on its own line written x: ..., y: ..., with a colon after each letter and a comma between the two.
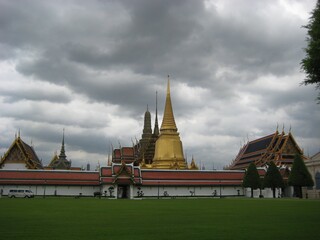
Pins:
x: 266, y: 193
x: 109, y: 190
x: 313, y: 166
x: 40, y: 190
x: 186, y: 191
x: 14, y: 166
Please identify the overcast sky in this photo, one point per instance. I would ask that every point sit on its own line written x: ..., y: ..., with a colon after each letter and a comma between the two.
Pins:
x: 92, y: 67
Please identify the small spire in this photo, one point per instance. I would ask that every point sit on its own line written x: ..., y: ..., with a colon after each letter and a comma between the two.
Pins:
x: 19, y: 133
x: 62, y: 151
x: 147, y: 130
x: 283, y: 128
x: 156, y: 125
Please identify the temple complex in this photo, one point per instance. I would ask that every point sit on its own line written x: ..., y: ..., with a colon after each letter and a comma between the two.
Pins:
x: 156, y: 150
x: 153, y: 167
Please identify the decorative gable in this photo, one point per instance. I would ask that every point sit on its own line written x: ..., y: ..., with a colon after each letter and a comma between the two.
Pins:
x: 14, y: 155
x: 290, y: 147
x: 21, y: 153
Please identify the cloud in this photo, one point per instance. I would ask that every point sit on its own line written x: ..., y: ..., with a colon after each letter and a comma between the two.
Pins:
x: 93, y: 68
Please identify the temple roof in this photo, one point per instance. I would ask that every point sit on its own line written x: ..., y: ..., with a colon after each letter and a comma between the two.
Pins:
x: 60, y: 162
x: 277, y: 147
x: 21, y: 152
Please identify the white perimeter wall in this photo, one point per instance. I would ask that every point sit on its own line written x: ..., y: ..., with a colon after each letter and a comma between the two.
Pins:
x: 40, y: 190
x: 267, y: 192
x: 147, y: 191
x: 178, y: 191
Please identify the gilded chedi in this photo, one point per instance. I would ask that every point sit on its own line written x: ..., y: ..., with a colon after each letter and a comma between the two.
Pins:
x: 168, y: 149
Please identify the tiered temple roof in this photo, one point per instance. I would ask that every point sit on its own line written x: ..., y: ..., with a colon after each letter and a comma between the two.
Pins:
x: 277, y: 147
x: 21, y: 153
x: 61, y: 161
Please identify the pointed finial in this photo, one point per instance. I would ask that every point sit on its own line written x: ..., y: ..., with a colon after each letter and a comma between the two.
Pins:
x: 283, y: 128
x: 62, y: 150
x: 19, y: 133
x: 290, y: 129
x: 277, y: 127
x: 168, y: 85
x: 156, y: 125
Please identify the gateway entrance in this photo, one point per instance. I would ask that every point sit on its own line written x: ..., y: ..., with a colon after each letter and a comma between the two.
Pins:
x: 123, y: 191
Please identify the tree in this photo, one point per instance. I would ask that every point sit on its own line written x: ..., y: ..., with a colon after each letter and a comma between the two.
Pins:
x: 273, y: 178
x: 251, y: 178
x: 299, y: 176
x: 311, y: 63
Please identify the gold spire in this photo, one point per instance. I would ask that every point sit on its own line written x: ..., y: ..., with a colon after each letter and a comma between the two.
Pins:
x: 168, y: 122
x: 168, y: 149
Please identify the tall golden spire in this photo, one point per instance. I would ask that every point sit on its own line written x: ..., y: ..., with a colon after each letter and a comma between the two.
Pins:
x: 168, y: 122
x: 168, y: 150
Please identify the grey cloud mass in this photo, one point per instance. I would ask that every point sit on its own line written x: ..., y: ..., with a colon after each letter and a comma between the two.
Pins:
x: 92, y: 67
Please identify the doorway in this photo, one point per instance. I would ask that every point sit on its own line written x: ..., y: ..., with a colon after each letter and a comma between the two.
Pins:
x: 123, y: 191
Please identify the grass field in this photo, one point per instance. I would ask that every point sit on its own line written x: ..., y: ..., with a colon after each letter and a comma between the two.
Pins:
x: 88, y: 218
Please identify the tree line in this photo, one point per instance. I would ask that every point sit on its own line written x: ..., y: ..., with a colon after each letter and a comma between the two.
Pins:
x: 299, y: 177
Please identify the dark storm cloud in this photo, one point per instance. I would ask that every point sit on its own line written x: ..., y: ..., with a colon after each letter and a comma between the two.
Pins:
x: 44, y: 94
x: 177, y: 37
x: 118, y: 54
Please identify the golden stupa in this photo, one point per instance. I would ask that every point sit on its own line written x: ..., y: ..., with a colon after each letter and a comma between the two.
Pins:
x: 168, y: 150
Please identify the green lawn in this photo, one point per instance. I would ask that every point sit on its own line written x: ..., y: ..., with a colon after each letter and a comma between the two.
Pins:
x: 88, y: 218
